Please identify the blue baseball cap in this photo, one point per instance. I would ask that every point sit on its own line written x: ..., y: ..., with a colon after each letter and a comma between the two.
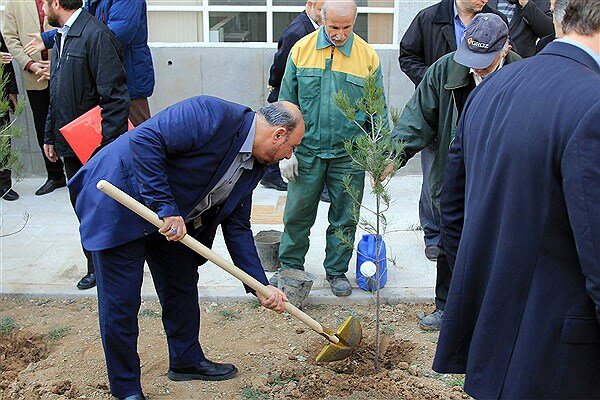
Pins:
x: 484, y: 39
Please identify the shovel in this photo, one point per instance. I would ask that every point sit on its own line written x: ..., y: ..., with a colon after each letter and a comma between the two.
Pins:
x: 343, y: 342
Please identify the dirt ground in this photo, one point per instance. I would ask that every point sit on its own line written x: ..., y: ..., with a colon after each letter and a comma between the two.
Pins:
x: 51, y: 349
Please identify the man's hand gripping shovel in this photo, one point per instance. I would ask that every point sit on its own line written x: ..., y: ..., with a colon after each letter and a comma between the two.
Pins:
x: 343, y: 342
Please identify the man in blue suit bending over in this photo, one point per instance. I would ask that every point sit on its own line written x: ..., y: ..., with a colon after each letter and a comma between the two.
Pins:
x: 195, y: 164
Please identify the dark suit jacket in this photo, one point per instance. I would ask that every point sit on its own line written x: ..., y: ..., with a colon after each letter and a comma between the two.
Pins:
x: 8, y: 73
x: 543, y: 42
x: 429, y: 37
x: 521, y: 225
x: 89, y: 72
x: 529, y: 24
x: 300, y: 27
x: 170, y: 163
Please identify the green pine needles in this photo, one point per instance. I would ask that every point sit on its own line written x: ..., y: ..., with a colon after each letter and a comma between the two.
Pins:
x: 378, y: 153
x: 9, y: 158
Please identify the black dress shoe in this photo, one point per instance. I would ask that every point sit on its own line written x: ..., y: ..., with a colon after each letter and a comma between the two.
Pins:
x: 139, y: 396
x: 432, y: 252
x: 87, y: 282
x: 274, y: 182
x: 50, y: 186
x: 9, y: 195
x: 205, y: 371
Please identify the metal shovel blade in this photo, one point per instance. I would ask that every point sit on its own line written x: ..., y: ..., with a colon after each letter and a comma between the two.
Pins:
x: 350, y: 335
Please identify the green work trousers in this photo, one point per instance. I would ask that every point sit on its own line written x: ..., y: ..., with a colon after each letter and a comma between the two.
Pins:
x: 301, y: 211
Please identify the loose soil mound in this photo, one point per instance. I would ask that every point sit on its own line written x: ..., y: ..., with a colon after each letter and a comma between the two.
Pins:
x: 57, y: 354
x: 17, y: 350
x: 356, y: 377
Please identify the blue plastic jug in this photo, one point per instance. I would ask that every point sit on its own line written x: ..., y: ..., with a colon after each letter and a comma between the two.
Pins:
x: 366, y: 253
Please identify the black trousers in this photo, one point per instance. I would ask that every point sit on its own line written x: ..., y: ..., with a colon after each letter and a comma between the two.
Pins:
x: 39, y: 100
x: 442, y: 281
x: 72, y: 165
x: 5, y: 179
x: 5, y: 174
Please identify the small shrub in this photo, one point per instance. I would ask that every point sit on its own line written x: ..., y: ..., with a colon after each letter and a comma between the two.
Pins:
x: 228, y: 315
x: 388, y: 329
x: 254, y: 304
x: 7, y: 325
x: 456, y: 381
x: 58, y: 333
x: 250, y: 393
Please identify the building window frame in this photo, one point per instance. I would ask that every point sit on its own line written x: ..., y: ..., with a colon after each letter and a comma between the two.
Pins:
x: 269, y: 9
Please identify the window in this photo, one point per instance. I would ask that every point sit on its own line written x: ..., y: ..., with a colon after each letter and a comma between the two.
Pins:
x: 255, y: 20
x: 238, y: 27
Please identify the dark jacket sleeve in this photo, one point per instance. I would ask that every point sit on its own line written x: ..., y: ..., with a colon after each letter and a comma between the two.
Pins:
x: 280, y: 58
x: 543, y: 42
x: 538, y: 19
x: 240, y: 242
x: 452, y: 201
x: 580, y: 167
x: 8, y: 73
x: 48, y: 131
x: 106, y: 67
x: 418, y: 123
x: 412, y: 54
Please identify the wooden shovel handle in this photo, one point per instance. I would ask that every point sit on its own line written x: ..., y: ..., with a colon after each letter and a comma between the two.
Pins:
x: 150, y: 216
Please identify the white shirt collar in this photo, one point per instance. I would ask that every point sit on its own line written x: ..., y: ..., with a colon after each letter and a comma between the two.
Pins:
x: 312, y: 22
x: 69, y: 22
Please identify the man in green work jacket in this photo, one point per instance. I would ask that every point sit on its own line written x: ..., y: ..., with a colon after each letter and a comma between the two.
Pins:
x: 331, y: 59
x: 435, y: 108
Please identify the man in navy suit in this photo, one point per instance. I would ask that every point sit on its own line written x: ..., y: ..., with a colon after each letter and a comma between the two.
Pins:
x: 306, y: 22
x: 521, y: 225
x: 195, y: 164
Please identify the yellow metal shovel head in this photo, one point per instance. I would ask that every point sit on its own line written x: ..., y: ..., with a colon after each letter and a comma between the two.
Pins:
x: 350, y: 335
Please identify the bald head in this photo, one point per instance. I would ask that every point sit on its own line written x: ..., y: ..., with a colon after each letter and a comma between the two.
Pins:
x: 339, y: 17
x: 279, y: 130
x: 339, y: 8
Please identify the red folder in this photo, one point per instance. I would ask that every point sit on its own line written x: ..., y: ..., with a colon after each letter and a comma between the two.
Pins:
x: 84, y: 134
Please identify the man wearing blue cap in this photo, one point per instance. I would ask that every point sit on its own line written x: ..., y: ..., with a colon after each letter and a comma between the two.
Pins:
x: 435, y: 108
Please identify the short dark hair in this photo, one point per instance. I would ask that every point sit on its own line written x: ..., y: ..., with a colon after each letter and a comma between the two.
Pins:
x: 276, y: 114
x: 69, y: 4
x: 582, y: 16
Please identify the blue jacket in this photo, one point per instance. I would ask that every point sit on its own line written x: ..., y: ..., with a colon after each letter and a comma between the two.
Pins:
x: 170, y: 163
x: 521, y: 226
x: 128, y: 21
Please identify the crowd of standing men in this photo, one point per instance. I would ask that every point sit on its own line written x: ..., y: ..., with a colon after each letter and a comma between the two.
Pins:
x: 104, y: 60
x: 509, y: 144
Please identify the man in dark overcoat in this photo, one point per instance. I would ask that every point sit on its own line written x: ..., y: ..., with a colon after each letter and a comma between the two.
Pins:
x: 521, y: 225
x: 86, y: 71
